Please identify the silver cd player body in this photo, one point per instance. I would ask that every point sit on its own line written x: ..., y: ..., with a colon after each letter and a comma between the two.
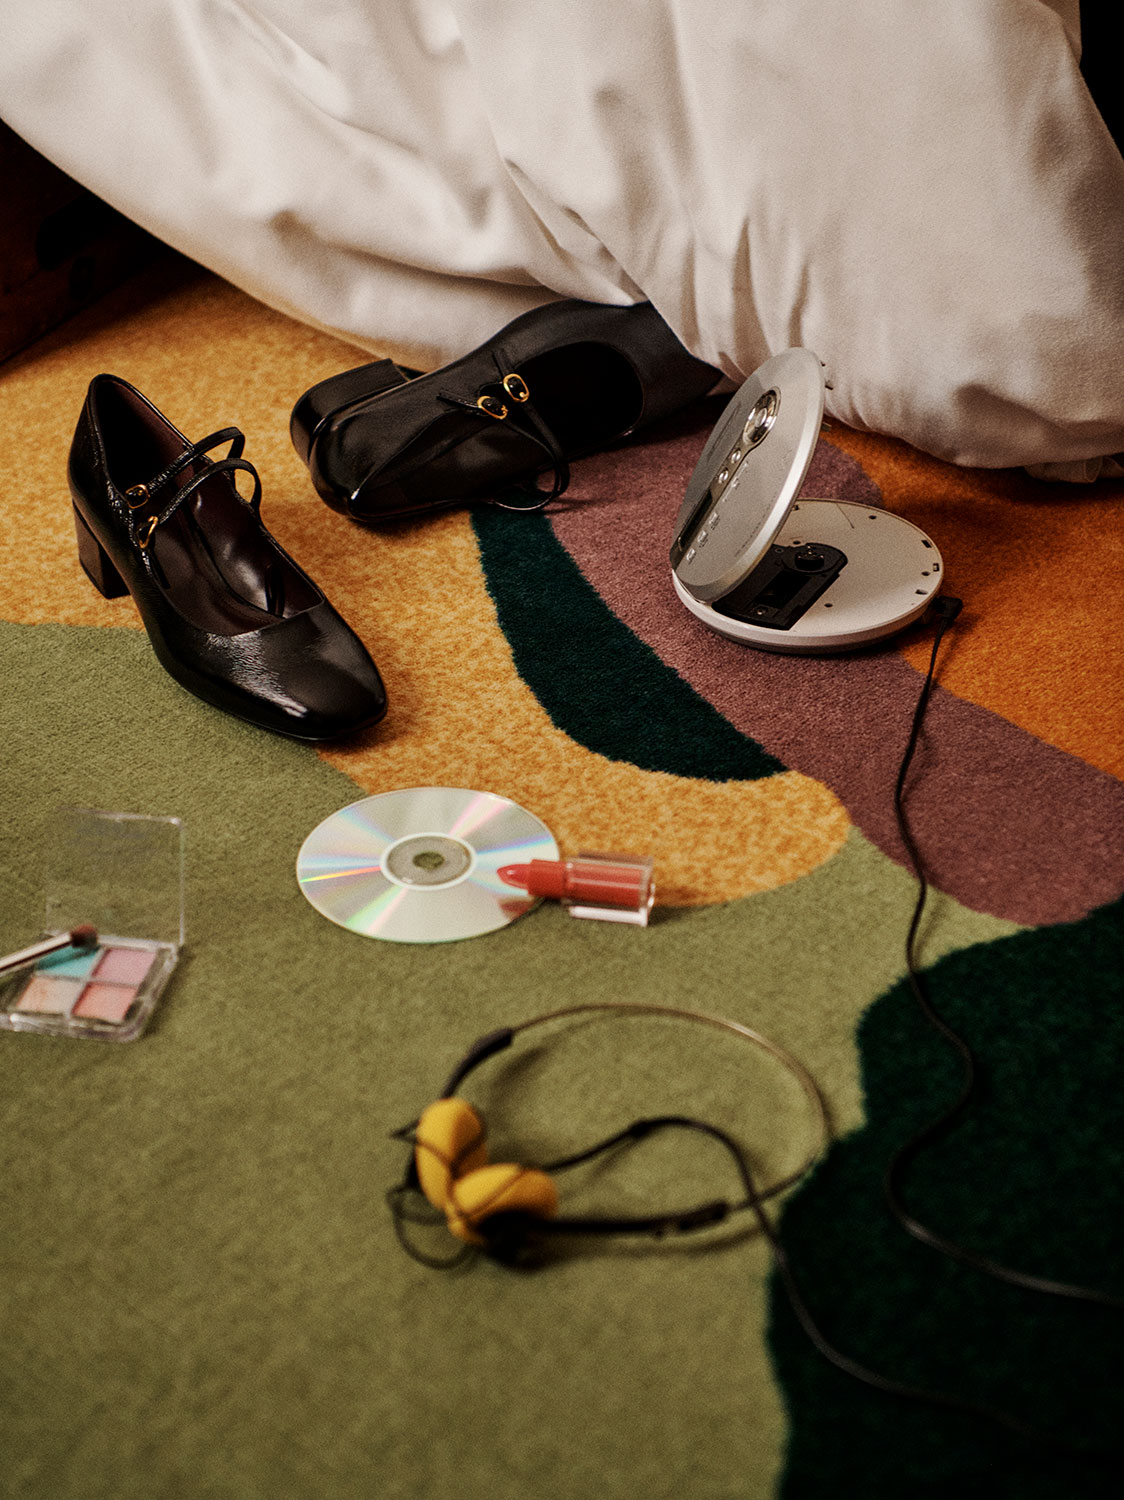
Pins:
x: 759, y: 565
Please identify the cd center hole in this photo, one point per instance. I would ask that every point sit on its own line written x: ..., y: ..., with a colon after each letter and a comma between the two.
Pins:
x: 429, y: 859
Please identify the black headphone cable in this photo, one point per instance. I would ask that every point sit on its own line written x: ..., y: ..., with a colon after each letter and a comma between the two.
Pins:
x: 947, y: 609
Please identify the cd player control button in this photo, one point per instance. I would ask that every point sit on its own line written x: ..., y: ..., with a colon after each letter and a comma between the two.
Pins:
x: 700, y: 540
x: 691, y: 552
x: 714, y: 520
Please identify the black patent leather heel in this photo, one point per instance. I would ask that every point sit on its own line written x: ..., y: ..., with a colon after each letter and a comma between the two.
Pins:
x: 339, y: 391
x: 95, y: 561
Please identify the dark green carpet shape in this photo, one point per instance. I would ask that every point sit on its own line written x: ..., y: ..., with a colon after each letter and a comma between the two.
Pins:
x: 600, y: 684
x: 1034, y: 1177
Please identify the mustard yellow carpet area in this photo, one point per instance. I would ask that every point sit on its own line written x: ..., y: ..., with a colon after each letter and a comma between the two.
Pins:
x: 459, y: 715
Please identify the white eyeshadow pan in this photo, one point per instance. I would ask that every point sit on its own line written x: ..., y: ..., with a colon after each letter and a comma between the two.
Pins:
x: 47, y: 995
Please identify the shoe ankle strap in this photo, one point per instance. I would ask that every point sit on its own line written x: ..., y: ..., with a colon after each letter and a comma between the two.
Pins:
x: 231, y: 435
x: 138, y: 495
x: 508, y: 398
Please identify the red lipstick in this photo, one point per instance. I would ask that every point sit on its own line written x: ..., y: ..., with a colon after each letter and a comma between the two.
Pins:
x: 611, y: 887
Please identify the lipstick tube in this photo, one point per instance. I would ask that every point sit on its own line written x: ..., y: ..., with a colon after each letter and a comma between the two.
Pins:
x: 605, y: 887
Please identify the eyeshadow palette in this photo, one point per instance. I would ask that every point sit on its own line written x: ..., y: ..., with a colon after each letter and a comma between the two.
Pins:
x: 116, y: 880
x: 107, y: 991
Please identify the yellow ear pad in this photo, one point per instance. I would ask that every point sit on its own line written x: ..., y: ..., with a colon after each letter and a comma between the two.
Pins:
x: 501, y: 1188
x: 449, y: 1140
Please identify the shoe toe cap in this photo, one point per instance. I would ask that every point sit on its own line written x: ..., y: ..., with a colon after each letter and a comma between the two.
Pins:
x: 309, y: 677
x: 330, y: 699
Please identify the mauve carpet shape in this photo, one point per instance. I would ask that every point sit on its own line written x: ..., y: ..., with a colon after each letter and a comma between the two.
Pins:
x: 202, y: 1294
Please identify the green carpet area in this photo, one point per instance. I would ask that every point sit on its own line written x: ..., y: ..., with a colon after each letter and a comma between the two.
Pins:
x: 1033, y: 1177
x: 201, y: 1295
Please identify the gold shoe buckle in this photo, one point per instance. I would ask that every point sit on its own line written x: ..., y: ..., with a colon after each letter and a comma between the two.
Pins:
x: 136, y: 495
x: 146, y: 536
x: 493, y: 406
x: 517, y: 388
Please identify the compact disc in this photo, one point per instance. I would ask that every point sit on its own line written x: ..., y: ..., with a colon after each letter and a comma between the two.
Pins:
x: 421, y: 865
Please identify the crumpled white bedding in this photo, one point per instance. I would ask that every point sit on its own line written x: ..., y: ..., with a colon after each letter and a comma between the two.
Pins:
x: 921, y: 192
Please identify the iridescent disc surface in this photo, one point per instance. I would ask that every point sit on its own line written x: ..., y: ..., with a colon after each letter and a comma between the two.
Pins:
x: 420, y: 865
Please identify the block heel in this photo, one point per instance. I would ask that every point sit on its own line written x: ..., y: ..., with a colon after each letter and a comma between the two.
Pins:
x: 95, y: 561
x: 329, y: 397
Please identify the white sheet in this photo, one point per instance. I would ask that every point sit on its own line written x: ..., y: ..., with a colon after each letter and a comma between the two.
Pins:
x: 923, y: 193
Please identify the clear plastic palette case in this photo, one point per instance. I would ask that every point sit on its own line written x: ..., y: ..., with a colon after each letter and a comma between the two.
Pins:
x: 123, y: 874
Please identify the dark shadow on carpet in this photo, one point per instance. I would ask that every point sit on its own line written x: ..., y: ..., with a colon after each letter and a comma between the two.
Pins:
x: 1033, y: 1177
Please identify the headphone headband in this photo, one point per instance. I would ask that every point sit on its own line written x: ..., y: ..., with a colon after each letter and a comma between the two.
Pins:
x: 504, y: 1223
x: 481, y: 1049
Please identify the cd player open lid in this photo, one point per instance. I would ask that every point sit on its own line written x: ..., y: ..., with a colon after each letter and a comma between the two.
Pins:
x: 762, y: 567
x: 746, y: 485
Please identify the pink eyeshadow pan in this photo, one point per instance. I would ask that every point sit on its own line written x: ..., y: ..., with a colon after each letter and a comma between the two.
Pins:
x: 106, y: 1002
x: 123, y: 966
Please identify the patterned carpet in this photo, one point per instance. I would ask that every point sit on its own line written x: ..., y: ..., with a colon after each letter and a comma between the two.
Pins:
x: 202, y: 1295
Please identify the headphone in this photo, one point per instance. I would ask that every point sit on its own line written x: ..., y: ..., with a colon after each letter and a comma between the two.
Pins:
x: 510, y: 1210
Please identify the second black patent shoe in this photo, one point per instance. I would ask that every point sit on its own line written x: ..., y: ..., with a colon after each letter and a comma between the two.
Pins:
x: 230, y: 615
x: 560, y: 381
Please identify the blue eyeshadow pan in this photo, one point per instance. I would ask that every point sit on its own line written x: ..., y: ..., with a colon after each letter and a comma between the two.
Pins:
x: 71, y: 963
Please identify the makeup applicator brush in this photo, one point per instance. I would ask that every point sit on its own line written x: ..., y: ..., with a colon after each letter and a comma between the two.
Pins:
x: 84, y: 936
